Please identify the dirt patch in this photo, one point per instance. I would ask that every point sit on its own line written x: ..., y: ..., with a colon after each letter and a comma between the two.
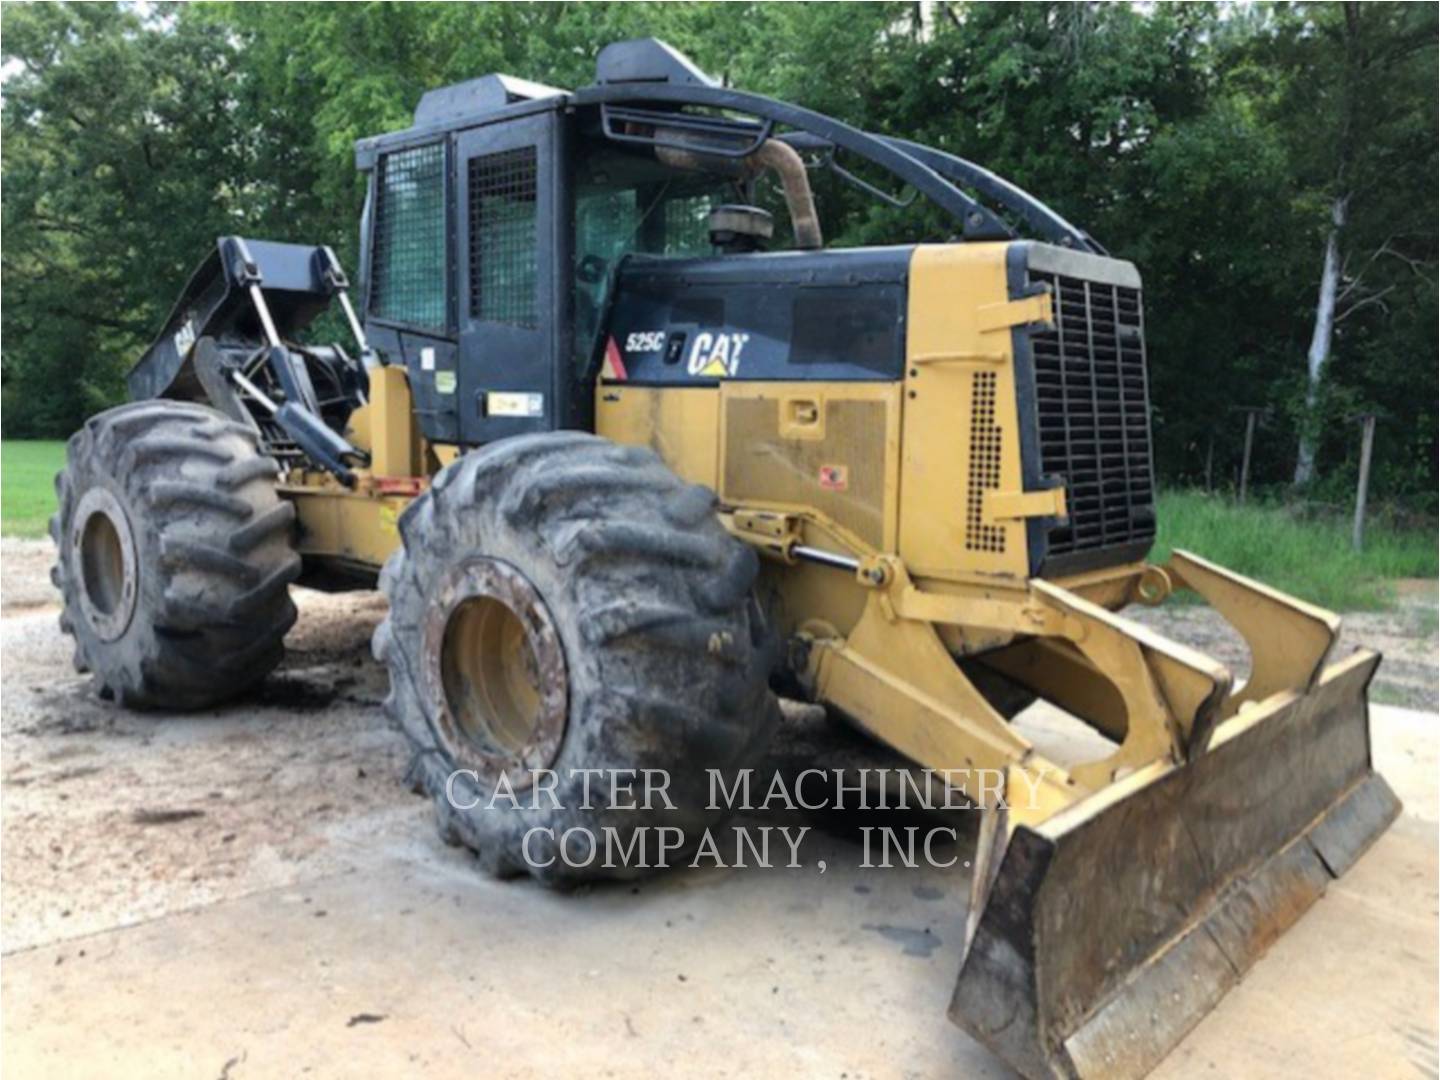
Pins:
x: 112, y: 817
x: 25, y: 576
x: 1406, y: 637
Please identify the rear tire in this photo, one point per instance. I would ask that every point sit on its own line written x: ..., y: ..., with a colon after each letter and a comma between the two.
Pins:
x: 625, y: 611
x: 175, y: 555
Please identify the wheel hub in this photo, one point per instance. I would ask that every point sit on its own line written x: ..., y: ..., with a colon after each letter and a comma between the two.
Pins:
x: 495, y: 672
x: 103, y: 557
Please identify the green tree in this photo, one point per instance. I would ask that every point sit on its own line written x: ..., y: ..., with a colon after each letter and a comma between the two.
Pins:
x: 1208, y: 143
x: 116, y: 129
x: 1349, y: 89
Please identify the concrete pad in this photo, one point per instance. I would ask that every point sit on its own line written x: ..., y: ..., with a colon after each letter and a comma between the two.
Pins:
x: 249, y: 892
x: 424, y: 965
x: 1351, y: 990
x: 411, y: 961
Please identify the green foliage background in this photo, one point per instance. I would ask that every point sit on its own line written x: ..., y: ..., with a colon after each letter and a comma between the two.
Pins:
x: 1203, y: 141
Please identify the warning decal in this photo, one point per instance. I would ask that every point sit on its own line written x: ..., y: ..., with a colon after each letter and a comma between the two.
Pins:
x: 614, y: 367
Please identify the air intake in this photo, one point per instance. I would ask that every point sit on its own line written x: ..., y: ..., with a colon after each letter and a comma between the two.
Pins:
x: 1092, y: 410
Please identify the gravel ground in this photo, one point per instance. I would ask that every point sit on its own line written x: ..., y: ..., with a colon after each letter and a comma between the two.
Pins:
x: 1406, y: 637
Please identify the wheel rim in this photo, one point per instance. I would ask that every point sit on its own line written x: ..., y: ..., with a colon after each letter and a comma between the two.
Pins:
x: 496, y: 673
x: 104, y: 559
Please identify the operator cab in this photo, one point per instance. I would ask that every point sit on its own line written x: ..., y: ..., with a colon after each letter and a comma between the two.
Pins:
x: 497, y: 226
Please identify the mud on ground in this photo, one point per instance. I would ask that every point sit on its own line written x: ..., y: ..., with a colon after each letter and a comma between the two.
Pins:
x: 113, y: 818
x: 110, y: 818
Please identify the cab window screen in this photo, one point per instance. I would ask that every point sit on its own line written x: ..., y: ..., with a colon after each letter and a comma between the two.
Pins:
x: 408, y: 265
x: 503, y: 237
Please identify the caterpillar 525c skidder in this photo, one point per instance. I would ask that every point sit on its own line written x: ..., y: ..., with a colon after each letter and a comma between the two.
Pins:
x: 602, y: 448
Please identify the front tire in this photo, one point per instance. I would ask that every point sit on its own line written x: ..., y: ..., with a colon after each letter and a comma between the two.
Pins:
x: 564, y: 603
x: 174, y: 555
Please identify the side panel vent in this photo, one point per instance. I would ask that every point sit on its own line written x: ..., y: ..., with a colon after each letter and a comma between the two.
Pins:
x: 985, y: 448
x: 503, y: 237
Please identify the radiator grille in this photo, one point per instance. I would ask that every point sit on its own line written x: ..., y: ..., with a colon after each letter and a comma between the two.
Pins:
x: 1093, y: 404
x: 503, y: 237
x: 984, y: 466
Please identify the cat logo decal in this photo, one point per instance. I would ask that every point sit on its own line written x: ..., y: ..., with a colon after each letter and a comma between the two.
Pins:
x: 716, y: 356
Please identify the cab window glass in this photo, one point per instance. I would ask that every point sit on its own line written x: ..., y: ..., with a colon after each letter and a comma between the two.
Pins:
x: 625, y: 205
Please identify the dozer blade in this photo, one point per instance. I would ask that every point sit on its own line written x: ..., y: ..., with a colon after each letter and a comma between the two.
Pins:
x: 1105, y: 933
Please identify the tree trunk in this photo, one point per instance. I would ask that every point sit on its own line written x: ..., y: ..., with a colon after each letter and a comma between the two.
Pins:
x: 1324, y: 332
x: 1320, y: 341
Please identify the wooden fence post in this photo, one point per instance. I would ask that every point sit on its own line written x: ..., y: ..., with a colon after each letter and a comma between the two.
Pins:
x: 1250, y: 416
x: 1362, y: 487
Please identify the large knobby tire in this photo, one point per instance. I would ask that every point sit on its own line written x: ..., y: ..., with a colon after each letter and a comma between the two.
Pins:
x: 175, y: 555
x: 561, y: 602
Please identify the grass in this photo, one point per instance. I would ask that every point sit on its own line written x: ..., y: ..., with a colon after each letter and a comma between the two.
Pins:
x: 27, y: 485
x: 1311, y: 559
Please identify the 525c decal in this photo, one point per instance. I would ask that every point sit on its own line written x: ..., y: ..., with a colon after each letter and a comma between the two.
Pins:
x: 644, y: 341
